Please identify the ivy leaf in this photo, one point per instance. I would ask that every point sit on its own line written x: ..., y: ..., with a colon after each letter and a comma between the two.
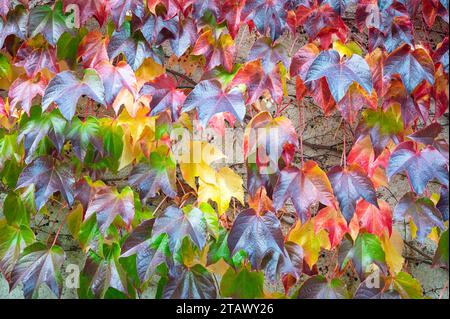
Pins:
x: 421, y: 166
x: 223, y: 185
x: 65, y: 89
x: 413, y: 66
x: 321, y: 21
x: 422, y: 211
x: 209, y: 98
x: 366, y: 250
x: 157, y: 173
x: 82, y: 134
x: 47, y: 178
x: 164, y: 95
x: 375, y: 220
x: 427, y: 135
x: 259, y: 236
x: 242, y: 284
x: 5, y: 6
x: 354, y: 100
x: 24, y: 89
x: 115, y: 78
x: 190, y: 283
x: 90, y: 8
x: 310, y: 240
x: 266, y: 139
x: 218, y: 248
x: 440, y: 258
x: 178, y: 224
x: 119, y: 9
x: 107, y: 203
x: 135, y: 48
x: 185, y: 37
x: 150, y: 252
x: 267, y: 16
x: 215, y: 51
x: 407, y: 286
x: 442, y: 205
x: 331, y: 220
x: 319, y: 287
x: 92, y: 49
x: 16, y: 24
x: 366, y: 290
x: 39, y: 265
x: 231, y: 12
x: 397, y: 29
x: 257, y: 82
x: 35, y: 60
x: 382, y: 127
x: 305, y: 186
x: 102, y: 272
x: 13, y: 240
x: 48, y: 21
x: 269, y: 53
x: 350, y: 184
x: 5, y: 67
x: 340, y: 74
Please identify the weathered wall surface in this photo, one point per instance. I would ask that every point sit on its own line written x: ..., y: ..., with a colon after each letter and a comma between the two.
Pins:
x: 324, y: 139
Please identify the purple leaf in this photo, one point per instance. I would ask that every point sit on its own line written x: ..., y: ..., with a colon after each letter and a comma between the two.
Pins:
x: 340, y: 74
x: 350, y: 184
x: 269, y: 53
x: 47, y: 178
x: 178, y: 224
x: 65, y: 89
x: 39, y: 265
x: 422, y: 211
x: 421, y: 166
x: 209, y: 99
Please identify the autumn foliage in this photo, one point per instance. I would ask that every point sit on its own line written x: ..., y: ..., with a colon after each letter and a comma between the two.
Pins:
x: 94, y: 95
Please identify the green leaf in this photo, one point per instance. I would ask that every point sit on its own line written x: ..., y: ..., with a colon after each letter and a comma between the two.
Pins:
x: 407, y: 286
x: 39, y: 126
x: 5, y: 67
x: 13, y: 239
x: 366, y: 250
x: 83, y: 134
x: 441, y: 256
x: 242, y: 284
x: 319, y: 287
x: 14, y: 210
x: 36, y: 266
x: 102, y: 272
x: 48, y: 21
x: 190, y: 283
x: 67, y: 46
x: 218, y: 249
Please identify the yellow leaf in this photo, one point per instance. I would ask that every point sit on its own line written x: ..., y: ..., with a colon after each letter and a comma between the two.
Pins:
x: 195, y: 160
x: 311, y: 242
x: 131, y: 105
x: 347, y: 49
x: 227, y: 184
x: 148, y: 71
x: 135, y: 126
x: 393, y: 248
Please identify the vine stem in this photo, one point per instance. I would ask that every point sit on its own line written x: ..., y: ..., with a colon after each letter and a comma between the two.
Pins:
x: 58, y: 232
x: 301, y: 121
x: 344, y: 151
x: 443, y: 290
